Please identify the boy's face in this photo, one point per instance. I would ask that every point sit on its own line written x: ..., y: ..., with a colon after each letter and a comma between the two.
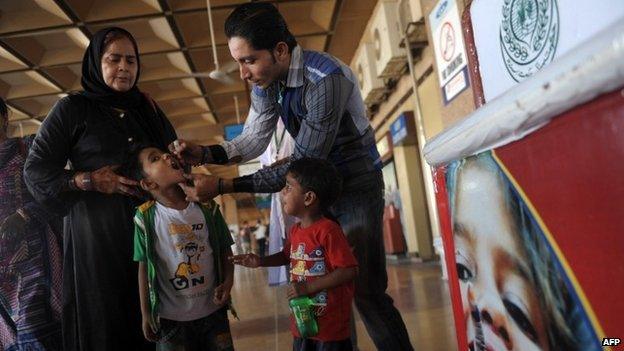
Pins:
x: 293, y: 197
x: 160, y: 169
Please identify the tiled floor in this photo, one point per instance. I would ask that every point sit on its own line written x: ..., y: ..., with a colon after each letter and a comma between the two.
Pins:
x: 419, y: 293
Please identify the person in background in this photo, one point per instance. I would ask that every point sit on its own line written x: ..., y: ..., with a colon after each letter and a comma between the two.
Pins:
x: 260, y: 235
x: 93, y: 130
x: 280, y: 147
x: 322, y: 265
x: 182, y: 248
x: 245, y: 235
x: 30, y: 256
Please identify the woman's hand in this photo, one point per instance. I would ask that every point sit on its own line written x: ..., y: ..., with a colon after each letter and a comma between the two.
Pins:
x: 246, y: 260
x: 187, y: 152
x: 105, y: 180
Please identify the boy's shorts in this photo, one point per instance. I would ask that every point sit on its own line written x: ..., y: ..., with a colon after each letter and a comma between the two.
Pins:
x: 300, y: 344
x: 209, y: 333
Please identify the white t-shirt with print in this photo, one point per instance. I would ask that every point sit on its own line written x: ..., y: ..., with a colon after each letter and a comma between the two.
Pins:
x: 184, y: 267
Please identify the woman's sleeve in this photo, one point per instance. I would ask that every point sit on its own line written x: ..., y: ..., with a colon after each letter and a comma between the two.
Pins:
x: 44, y: 171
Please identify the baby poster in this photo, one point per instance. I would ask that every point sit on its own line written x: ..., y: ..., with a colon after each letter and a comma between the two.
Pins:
x: 536, y: 231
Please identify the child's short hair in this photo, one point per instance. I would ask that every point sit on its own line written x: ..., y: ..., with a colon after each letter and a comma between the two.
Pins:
x: 319, y: 176
x: 132, y: 167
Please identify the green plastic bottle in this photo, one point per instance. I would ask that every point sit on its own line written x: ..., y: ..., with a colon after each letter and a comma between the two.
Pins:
x: 303, y: 309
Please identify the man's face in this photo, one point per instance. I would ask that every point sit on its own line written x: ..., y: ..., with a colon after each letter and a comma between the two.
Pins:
x: 259, y: 67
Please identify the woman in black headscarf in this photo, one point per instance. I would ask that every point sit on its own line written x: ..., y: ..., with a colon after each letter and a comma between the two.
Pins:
x: 92, y: 130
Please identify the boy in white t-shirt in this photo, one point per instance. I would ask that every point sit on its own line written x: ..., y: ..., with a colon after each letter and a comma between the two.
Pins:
x: 182, y: 248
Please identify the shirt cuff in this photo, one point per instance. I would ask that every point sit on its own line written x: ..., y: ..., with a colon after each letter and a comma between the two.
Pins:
x: 243, y: 184
x: 219, y: 156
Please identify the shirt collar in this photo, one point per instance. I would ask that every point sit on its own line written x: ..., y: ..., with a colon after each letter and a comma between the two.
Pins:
x: 295, y: 70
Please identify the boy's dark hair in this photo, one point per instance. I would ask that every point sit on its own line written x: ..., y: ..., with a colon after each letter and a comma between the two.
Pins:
x: 319, y: 176
x: 4, y: 116
x: 261, y: 24
x: 132, y: 166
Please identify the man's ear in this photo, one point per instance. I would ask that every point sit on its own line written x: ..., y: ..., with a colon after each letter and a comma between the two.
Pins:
x: 281, y: 51
x: 147, y: 184
x: 309, y: 198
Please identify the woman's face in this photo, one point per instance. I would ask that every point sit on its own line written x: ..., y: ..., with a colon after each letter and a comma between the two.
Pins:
x: 119, y: 65
x: 498, y: 296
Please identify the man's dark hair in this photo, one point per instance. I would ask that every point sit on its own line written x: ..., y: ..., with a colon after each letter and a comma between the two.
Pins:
x: 261, y: 24
x: 319, y: 176
x: 4, y: 116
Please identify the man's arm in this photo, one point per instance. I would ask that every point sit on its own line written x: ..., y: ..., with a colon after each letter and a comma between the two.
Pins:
x: 326, y: 102
x: 256, y: 135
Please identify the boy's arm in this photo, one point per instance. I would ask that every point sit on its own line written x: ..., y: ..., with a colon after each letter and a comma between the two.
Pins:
x: 255, y: 261
x: 336, y: 278
x: 222, y: 292
x: 274, y: 260
x: 143, y: 293
x: 148, y: 331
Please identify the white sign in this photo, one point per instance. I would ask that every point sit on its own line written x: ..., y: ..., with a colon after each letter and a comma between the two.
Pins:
x: 449, y: 48
x: 517, y: 38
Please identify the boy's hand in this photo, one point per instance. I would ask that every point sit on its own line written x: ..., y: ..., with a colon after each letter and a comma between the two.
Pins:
x: 248, y: 260
x: 148, y: 332
x: 297, y: 289
x: 222, y: 294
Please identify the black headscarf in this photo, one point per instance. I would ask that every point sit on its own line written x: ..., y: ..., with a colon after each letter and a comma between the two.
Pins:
x: 93, y: 80
x: 149, y: 117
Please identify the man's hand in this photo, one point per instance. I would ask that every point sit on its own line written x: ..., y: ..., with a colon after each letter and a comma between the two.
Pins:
x: 297, y: 289
x: 247, y: 260
x: 187, y: 152
x: 12, y: 227
x: 204, y: 188
x: 222, y: 293
x: 148, y: 332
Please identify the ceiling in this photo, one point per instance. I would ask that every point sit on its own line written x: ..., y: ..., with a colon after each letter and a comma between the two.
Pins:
x: 42, y: 43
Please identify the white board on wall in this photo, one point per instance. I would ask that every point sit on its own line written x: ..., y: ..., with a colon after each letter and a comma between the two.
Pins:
x: 516, y: 38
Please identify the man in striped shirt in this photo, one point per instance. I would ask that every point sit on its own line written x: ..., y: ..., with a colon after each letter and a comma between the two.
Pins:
x: 317, y: 98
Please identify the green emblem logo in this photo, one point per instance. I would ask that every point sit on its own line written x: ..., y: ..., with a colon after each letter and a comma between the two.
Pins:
x: 529, y: 35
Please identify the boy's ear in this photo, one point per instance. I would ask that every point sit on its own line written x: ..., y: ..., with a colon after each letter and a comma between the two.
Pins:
x: 147, y: 184
x: 309, y: 198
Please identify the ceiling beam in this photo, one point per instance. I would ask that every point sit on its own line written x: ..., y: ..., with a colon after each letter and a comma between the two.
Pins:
x: 176, y: 32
